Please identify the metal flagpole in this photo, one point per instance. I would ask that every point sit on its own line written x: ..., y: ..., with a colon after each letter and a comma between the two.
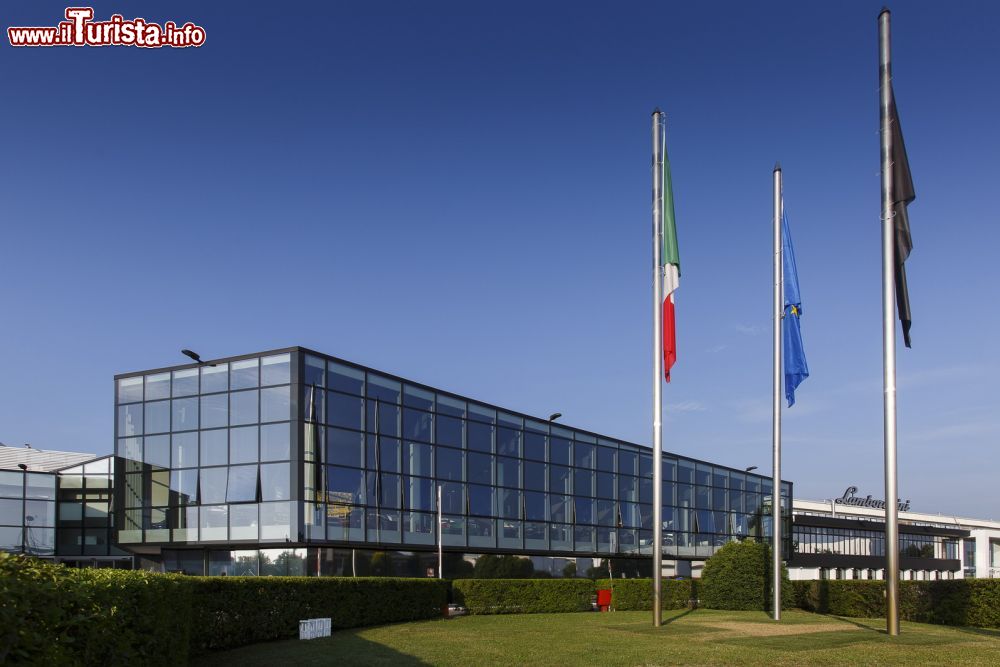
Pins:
x: 440, y: 534
x: 657, y: 364
x: 888, y: 332
x: 777, y: 312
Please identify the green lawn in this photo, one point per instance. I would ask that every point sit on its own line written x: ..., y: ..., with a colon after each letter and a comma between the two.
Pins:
x: 702, y: 637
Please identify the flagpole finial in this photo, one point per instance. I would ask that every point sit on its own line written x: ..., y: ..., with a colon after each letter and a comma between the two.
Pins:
x: 657, y: 111
x: 885, y: 10
x: 777, y: 166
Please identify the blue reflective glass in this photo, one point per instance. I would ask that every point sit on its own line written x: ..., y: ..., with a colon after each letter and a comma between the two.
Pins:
x: 243, y: 407
x: 346, y: 378
x: 215, y: 447
x: 214, y: 378
x: 275, y: 404
x: 583, y: 482
x: 510, y: 503
x: 215, y: 410
x: 417, y: 459
x: 534, y: 506
x: 275, y: 442
x: 534, y: 446
x: 508, y: 472
x: 508, y: 442
x: 157, y: 417
x: 559, y: 451
x: 559, y: 479
x: 480, y: 468
x: 275, y: 370
x: 584, y: 456
x: 480, y: 500
x: 388, y: 454
x: 242, y: 484
x: 627, y: 462
x: 213, y: 485
x: 606, y: 459
x: 534, y: 475
x: 345, y: 485
x: 605, y: 485
x: 417, y: 425
x: 244, y: 374
x: 346, y: 411
x: 449, y: 431
x: 480, y: 437
x: 450, y: 464
x: 185, y: 414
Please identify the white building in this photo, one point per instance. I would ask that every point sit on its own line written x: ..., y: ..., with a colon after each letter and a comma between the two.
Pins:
x: 844, y: 538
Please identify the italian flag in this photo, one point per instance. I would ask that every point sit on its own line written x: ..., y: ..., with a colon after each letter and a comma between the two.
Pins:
x: 671, y: 270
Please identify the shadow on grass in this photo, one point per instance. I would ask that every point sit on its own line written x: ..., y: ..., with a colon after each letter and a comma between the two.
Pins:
x: 670, y: 620
x: 862, y: 626
x: 343, y: 647
x: 982, y: 632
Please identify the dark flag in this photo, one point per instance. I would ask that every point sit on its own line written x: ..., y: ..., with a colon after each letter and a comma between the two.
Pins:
x: 903, y: 194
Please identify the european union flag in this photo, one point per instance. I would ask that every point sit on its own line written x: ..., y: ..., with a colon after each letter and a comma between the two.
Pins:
x: 793, y: 355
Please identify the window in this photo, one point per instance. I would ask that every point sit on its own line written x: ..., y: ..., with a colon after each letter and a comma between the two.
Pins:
x: 449, y: 464
x: 214, y: 378
x: 244, y: 374
x: 213, y: 485
x: 346, y: 411
x: 275, y: 404
x: 215, y: 447
x: 185, y: 382
x: 185, y: 449
x: 345, y: 447
x: 275, y: 442
x: 242, y: 484
x: 185, y: 414
x: 275, y: 370
x: 157, y: 417
x: 243, y: 445
x: 130, y: 390
x: 243, y: 407
x: 214, y: 410
x: 274, y: 482
x: 157, y: 386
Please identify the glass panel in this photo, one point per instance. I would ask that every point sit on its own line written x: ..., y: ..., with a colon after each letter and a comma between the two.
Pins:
x: 243, y: 445
x: 559, y: 508
x: 450, y: 431
x: 346, y: 379
x: 185, y: 449
x: 243, y: 522
x: 452, y: 498
x: 215, y: 447
x: 561, y: 537
x: 184, y: 486
x: 481, y: 500
x: 185, y: 382
x: 510, y: 504
x: 389, y: 491
x: 419, y: 528
x: 534, y: 506
x: 315, y: 371
x: 627, y: 462
x: 130, y: 390
x: 536, y: 536
x: 274, y: 481
x: 185, y: 414
x: 213, y: 485
x: 345, y: 447
x: 243, y: 407
x: 480, y: 437
x: 534, y: 446
x: 345, y: 523
x: 534, y: 475
x: 446, y: 405
x: 383, y: 388
x: 214, y: 378
x: 419, y: 494
x: 244, y: 374
x: 450, y: 464
x: 418, y: 398
x: 214, y: 410
x: 482, y: 533
x: 605, y: 485
x: 583, y: 482
x: 275, y: 404
x: 559, y: 451
x: 275, y: 370
x: 508, y: 442
x: 559, y: 479
x: 214, y: 522
x: 508, y: 472
x: 345, y: 485
x: 41, y: 486
x: 346, y: 411
x: 275, y: 442
x: 158, y: 417
x: 184, y: 524
x: 157, y: 450
x: 242, y: 484
x: 417, y: 459
x: 585, y: 456
x: 389, y: 454
x: 482, y: 413
x: 417, y: 425
x: 157, y: 386
x: 480, y: 468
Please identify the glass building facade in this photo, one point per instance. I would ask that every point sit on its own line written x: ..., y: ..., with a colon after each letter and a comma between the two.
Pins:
x: 269, y: 457
x: 28, y: 512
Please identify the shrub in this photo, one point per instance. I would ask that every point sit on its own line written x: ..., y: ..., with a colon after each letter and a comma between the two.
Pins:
x: 490, y: 566
x: 637, y: 594
x: 523, y: 596
x: 55, y: 615
x: 234, y: 611
x: 738, y: 577
x: 964, y: 602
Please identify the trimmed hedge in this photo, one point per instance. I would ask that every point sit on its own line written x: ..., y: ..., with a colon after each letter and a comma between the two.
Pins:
x: 964, y: 602
x: 738, y: 577
x: 55, y: 615
x: 637, y: 594
x: 235, y: 611
x: 523, y: 596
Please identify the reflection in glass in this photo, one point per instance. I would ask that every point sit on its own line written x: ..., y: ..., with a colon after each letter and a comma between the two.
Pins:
x: 242, y: 484
x: 243, y: 407
x: 275, y: 404
x: 214, y: 410
x: 185, y: 414
x: 213, y: 485
x: 243, y: 445
x: 243, y: 374
x: 215, y: 447
x: 157, y: 386
x: 214, y: 378
x: 274, y: 482
x: 275, y: 370
x: 185, y: 382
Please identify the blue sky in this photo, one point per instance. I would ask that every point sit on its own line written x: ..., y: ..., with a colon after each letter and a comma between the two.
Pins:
x: 459, y: 193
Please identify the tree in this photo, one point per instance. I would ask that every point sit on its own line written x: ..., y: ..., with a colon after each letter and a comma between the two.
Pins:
x: 738, y: 576
x: 489, y: 566
x: 569, y: 570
